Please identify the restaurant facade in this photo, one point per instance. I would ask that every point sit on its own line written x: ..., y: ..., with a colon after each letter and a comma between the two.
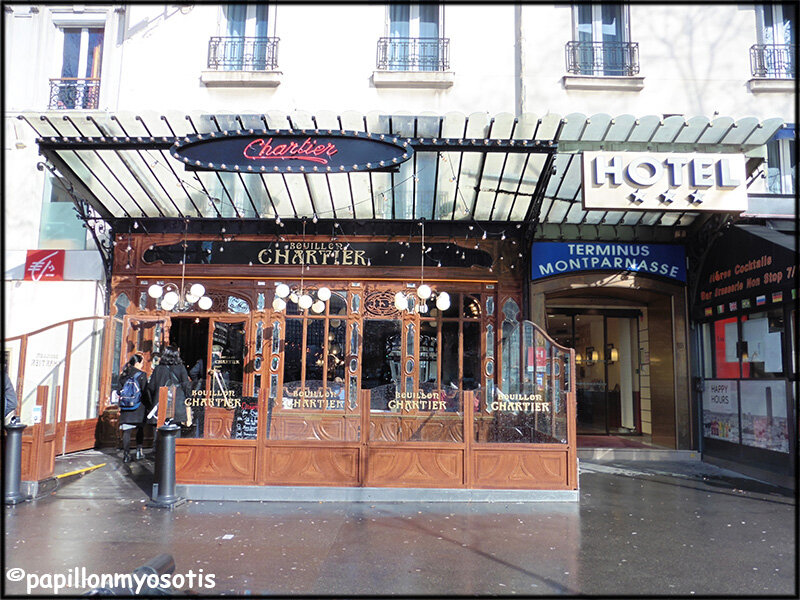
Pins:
x: 414, y: 300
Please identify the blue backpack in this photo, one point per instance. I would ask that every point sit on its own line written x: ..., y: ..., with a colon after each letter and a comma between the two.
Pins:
x: 130, y: 396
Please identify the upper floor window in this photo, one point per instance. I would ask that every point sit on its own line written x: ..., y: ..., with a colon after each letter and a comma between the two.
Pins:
x: 782, y: 163
x: 601, y: 41
x: 79, y: 84
x: 245, y: 45
x: 773, y: 56
x: 414, y: 42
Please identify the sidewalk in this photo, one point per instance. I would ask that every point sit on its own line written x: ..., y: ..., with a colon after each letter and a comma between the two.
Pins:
x: 641, y: 527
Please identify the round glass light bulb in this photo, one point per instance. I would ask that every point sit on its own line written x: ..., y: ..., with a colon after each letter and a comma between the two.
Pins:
x: 424, y: 291
x: 278, y: 304
x: 282, y: 290
x: 167, y: 305
x: 305, y: 302
x: 443, y: 301
x: 205, y: 303
x: 191, y: 298
x: 294, y: 297
x: 324, y: 294
x: 400, y: 302
x: 170, y: 298
x: 318, y: 306
x: 155, y: 291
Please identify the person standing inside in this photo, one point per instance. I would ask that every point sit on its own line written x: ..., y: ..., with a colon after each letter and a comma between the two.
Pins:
x: 172, y: 372
x: 134, y: 403
x: 10, y: 399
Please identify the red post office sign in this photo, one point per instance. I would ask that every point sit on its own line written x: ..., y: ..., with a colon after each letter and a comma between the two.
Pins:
x: 44, y: 265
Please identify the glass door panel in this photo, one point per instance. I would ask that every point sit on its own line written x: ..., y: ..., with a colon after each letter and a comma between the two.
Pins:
x: 226, y: 412
x: 621, y: 355
x: 591, y: 380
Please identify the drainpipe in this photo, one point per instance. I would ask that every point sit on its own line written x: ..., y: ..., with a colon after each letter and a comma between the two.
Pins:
x: 519, y: 51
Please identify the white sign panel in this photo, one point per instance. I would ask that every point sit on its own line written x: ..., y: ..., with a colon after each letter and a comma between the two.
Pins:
x: 664, y: 181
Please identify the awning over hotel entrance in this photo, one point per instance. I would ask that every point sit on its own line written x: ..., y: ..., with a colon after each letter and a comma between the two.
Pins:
x: 499, y: 171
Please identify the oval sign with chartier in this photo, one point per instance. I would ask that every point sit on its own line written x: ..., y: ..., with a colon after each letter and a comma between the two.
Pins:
x: 292, y: 151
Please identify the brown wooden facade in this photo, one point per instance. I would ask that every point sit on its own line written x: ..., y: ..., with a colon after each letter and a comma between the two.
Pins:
x: 460, y: 429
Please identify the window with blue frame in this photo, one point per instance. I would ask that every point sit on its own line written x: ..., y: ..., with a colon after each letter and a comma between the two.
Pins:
x: 601, y: 42
x: 774, y: 55
x: 781, y: 165
x: 414, y: 38
x: 246, y: 44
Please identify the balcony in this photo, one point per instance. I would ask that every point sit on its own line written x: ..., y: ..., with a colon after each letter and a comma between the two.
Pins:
x: 413, y: 54
x: 73, y: 93
x: 615, y: 59
x: 242, y: 62
x: 413, y: 63
x: 772, y: 61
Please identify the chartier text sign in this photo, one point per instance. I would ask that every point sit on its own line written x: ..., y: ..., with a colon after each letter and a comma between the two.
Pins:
x: 664, y: 181
x: 293, y: 151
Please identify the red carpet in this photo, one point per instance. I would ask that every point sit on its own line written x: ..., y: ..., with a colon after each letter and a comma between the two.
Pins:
x: 609, y: 441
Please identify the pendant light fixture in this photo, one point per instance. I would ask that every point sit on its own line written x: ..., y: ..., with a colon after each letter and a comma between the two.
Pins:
x: 177, y: 298
x: 299, y: 295
x: 402, y: 302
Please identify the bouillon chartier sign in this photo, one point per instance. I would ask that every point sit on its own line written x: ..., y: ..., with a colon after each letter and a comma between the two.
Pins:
x: 323, y: 254
x: 292, y: 151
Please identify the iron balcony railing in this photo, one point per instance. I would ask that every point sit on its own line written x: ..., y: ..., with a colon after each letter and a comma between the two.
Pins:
x: 775, y: 61
x: 603, y: 58
x: 243, y: 53
x: 72, y: 93
x: 413, y: 54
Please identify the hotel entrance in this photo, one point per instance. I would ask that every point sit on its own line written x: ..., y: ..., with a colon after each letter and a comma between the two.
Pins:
x: 608, y: 386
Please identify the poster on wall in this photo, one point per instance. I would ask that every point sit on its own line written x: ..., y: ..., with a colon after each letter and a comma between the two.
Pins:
x: 721, y: 410
x: 764, y: 422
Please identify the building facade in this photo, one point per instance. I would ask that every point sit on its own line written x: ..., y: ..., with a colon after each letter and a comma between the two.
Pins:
x: 487, y: 202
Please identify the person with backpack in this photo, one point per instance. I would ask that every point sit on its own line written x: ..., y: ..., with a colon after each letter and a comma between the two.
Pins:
x: 172, y: 372
x: 134, y: 403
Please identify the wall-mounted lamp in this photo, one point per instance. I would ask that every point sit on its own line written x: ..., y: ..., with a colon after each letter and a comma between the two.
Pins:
x: 612, y: 354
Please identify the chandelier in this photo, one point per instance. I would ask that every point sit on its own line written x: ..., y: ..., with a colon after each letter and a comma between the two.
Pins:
x: 403, y: 302
x: 298, y: 294
x: 179, y: 298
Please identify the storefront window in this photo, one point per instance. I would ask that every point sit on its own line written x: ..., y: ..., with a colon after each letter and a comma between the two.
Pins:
x: 762, y: 344
x: 312, y: 402
x: 219, y: 407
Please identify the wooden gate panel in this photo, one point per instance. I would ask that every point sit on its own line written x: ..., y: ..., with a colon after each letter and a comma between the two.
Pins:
x: 415, y: 467
x: 517, y: 469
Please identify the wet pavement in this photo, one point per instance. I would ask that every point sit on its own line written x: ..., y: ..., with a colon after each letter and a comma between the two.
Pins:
x: 675, y: 528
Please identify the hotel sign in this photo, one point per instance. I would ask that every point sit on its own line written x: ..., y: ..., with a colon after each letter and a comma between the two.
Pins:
x: 292, y: 151
x: 558, y: 258
x: 664, y: 181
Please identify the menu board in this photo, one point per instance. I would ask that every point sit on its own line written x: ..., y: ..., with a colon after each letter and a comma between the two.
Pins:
x: 245, y: 419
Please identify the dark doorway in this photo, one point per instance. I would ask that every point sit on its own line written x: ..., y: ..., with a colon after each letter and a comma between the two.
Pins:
x: 190, y: 334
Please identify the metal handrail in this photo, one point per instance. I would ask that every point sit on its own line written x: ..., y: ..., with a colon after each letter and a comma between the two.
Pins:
x: 775, y: 61
x: 74, y: 93
x: 603, y: 58
x: 413, y: 54
x: 243, y: 53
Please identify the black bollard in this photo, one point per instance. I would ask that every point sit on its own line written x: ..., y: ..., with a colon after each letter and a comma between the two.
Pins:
x: 165, y: 497
x: 13, y: 463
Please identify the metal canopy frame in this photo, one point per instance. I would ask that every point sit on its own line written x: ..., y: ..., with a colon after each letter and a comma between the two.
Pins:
x: 495, y: 171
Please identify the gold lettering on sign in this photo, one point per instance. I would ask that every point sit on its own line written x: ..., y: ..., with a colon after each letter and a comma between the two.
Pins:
x: 215, y: 399
x: 532, y: 403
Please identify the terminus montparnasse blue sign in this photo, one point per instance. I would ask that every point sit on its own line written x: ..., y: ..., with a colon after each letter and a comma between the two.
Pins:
x: 557, y: 258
